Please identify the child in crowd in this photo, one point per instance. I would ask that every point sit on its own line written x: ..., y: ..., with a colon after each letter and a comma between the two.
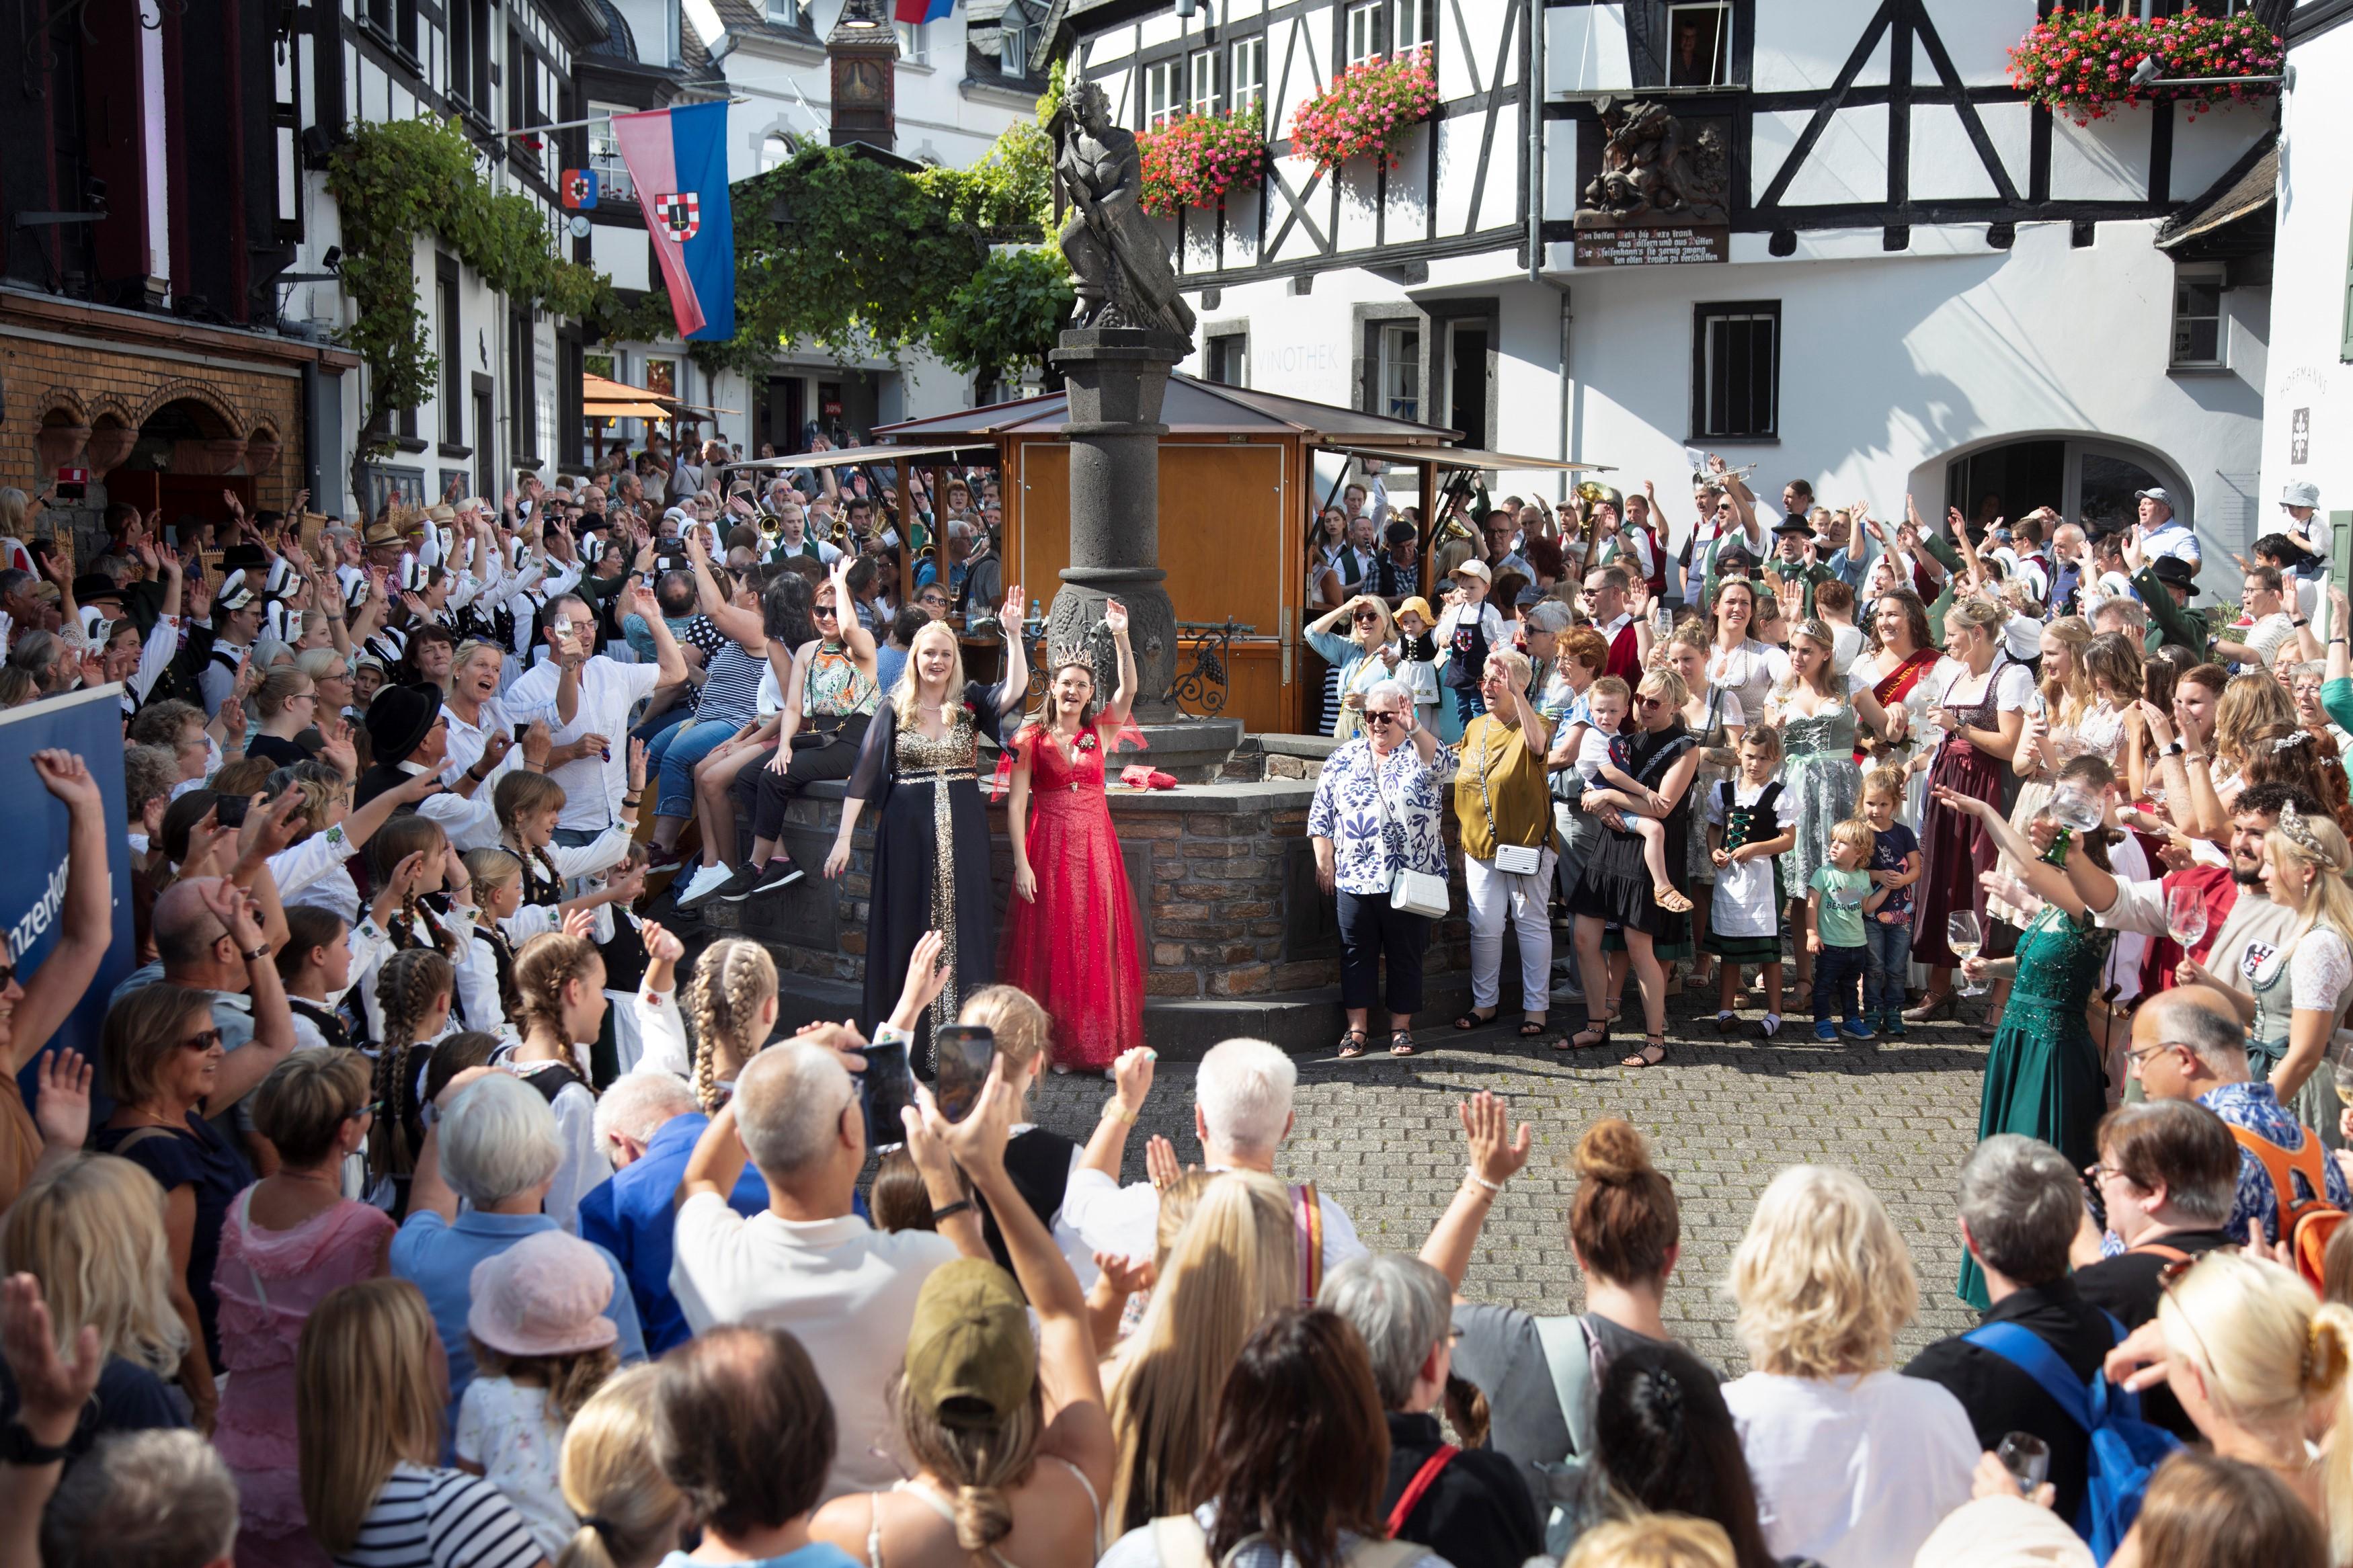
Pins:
x: 1601, y: 758
x: 1888, y: 934
x: 498, y: 876
x: 413, y: 996
x: 1468, y: 631
x: 1751, y: 822
x: 1418, y: 660
x: 1839, y: 900
x: 542, y: 1344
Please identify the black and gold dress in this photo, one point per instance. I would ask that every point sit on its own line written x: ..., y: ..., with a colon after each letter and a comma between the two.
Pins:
x: 931, y: 855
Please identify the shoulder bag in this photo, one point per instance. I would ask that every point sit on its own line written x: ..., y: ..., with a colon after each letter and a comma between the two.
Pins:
x: 1511, y: 860
x: 1412, y: 892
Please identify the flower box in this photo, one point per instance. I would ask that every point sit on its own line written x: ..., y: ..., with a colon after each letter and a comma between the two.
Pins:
x: 2080, y: 63
x: 1195, y: 160
x: 1366, y: 111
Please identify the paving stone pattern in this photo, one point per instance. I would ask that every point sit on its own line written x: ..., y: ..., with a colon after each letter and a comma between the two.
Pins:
x: 1724, y: 1113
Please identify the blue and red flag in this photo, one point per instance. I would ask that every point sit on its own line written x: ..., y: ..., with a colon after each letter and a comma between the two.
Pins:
x: 677, y: 160
x: 912, y: 11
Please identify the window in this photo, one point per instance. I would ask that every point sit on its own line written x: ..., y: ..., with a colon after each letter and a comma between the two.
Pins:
x: 1417, y: 27
x: 1736, y: 370
x: 1017, y: 37
x: 605, y: 156
x: 787, y: 14
x: 2197, y: 317
x: 1400, y: 370
x: 1225, y: 358
x: 395, y: 20
x: 451, y: 347
x: 470, y: 54
x: 1204, y: 96
x: 1363, y: 32
x: 1162, y: 99
x: 522, y: 390
x: 913, y: 45
x: 1699, y: 44
x: 775, y: 151
x: 1250, y: 73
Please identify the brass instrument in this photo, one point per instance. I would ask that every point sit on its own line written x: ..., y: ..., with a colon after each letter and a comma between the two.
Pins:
x: 1593, y: 492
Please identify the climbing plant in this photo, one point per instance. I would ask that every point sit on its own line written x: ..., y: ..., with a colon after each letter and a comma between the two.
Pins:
x: 393, y: 180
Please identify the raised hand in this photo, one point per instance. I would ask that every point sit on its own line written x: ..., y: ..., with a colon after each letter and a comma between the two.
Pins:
x: 1131, y: 1077
x: 495, y: 750
x: 406, y: 874
x: 1495, y: 1155
x: 662, y: 945
x: 538, y: 742
x: 927, y: 976
x: 1160, y: 1164
x: 51, y: 1388
x: 581, y: 923
x: 625, y: 885
x: 1115, y: 617
x: 62, y: 1113
x: 637, y: 766
x: 234, y: 909
x: 64, y: 775
x: 1013, y: 602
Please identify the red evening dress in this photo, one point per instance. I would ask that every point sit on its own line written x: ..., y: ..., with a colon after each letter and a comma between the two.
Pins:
x: 1073, y: 949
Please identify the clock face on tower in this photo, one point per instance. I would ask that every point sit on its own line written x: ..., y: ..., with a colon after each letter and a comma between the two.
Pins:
x: 865, y: 84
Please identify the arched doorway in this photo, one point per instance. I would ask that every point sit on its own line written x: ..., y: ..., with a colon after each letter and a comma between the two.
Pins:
x: 186, y: 436
x: 2085, y: 478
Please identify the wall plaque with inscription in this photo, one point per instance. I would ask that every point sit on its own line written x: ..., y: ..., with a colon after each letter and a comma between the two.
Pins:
x: 1651, y: 247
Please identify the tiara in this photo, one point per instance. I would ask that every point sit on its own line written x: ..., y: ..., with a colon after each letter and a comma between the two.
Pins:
x: 2300, y: 832
x: 1075, y: 653
x: 2296, y: 738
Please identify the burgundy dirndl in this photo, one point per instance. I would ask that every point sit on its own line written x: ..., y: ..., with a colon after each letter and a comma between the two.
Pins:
x: 1954, y: 848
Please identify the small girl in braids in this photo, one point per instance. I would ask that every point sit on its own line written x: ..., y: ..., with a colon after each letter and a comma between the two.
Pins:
x: 498, y: 893
x: 413, y: 865
x: 732, y: 997
x: 529, y: 806
x: 560, y: 991
x: 412, y: 991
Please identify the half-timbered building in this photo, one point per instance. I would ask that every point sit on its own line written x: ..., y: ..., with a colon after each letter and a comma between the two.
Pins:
x: 2308, y: 401
x: 1910, y: 280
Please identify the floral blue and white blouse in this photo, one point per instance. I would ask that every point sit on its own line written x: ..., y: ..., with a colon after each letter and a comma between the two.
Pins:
x: 1372, y: 837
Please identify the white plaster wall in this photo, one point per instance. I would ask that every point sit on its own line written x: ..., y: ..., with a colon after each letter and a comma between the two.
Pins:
x: 1963, y: 350
x: 1584, y: 49
x: 2308, y: 292
x: 1804, y: 46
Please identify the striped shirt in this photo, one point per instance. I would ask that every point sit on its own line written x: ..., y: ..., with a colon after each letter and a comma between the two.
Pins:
x: 440, y: 1518
x: 730, y: 687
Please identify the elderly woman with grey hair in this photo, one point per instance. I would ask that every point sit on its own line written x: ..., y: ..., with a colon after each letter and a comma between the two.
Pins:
x: 1376, y: 819
x: 1467, y: 1505
x: 491, y: 1141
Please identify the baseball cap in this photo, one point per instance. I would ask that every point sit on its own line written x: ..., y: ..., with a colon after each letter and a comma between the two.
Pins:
x: 1473, y: 569
x: 546, y: 1295
x: 2300, y: 492
x: 971, y: 1358
x: 2156, y: 493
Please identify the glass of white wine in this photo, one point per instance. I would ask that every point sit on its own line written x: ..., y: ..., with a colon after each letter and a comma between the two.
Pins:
x: 1963, y: 936
x: 2340, y: 1063
x: 2185, y: 916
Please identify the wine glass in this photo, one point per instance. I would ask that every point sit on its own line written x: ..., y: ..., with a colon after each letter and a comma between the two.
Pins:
x: 2185, y: 916
x: 2340, y: 1063
x: 1964, y: 937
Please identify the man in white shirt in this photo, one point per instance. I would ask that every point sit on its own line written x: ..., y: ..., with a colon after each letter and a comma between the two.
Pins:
x: 1242, y: 1113
x: 2274, y: 627
x: 586, y: 698
x: 809, y: 1263
x: 2160, y: 534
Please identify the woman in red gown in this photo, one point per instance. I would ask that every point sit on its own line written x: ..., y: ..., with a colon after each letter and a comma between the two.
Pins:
x: 1070, y: 931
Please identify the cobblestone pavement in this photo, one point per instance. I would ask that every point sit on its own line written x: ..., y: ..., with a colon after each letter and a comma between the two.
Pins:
x: 1724, y: 1113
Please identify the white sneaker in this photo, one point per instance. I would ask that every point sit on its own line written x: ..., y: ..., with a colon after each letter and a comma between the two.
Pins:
x: 704, y: 880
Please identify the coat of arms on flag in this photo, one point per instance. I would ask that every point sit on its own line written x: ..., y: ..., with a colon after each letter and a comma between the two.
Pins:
x: 579, y: 187
x: 681, y: 213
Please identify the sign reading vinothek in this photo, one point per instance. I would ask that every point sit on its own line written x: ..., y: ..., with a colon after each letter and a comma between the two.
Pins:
x: 33, y: 873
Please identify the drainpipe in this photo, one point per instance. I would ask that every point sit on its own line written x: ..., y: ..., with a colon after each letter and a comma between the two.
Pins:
x: 1532, y: 91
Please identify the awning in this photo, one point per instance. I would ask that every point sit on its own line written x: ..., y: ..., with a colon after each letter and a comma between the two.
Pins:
x: 971, y: 451
x: 603, y: 389
x: 625, y: 411
x: 2256, y: 188
x: 1469, y: 457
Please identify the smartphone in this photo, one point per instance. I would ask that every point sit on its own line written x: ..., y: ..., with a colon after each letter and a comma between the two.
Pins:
x: 964, y: 1051
x: 889, y: 1089
x: 229, y: 810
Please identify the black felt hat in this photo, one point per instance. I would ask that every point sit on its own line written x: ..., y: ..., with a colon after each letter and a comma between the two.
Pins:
x: 399, y: 720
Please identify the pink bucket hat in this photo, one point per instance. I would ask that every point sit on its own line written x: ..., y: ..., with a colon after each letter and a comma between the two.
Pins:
x: 545, y: 1295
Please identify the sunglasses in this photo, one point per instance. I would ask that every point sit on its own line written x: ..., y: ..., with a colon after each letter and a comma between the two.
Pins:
x: 825, y: 613
x: 1367, y: 618
x: 372, y: 1108
x: 1384, y: 718
x: 201, y: 1042
x: 1650, y: 704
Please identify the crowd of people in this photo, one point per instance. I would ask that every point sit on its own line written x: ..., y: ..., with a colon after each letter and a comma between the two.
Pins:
x: 427, y: 1203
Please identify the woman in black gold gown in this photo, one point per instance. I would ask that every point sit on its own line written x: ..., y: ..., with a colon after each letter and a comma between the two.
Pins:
x: 918, y: 770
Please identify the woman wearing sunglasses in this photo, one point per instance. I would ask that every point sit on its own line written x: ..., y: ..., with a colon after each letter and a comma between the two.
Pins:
x: 1362, y: 653
x: 164, y: 1068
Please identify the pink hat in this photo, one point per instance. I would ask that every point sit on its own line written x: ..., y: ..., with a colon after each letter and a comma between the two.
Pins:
x: 545, y: 1295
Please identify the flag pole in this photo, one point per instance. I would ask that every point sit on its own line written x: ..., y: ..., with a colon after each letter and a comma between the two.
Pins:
x: 601, y: 119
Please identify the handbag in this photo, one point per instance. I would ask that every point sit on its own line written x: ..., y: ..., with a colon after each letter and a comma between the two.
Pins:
x: 1412, y: 892
x: 1511, y: 860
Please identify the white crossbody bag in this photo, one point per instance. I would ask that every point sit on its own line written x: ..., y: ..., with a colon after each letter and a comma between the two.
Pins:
x: 1412, y: 892
x: 1511, y: 860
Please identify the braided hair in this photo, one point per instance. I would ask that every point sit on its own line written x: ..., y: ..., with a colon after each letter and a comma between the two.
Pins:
x: 732, y: 981
x: 405, y: 991
x: 542, y: 967
x: 414, y: 925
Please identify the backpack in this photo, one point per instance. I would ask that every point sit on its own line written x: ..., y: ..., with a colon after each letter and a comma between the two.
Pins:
x: 1572, y: 1486
x: 2124, y: 1450
x: 2305, y: 1225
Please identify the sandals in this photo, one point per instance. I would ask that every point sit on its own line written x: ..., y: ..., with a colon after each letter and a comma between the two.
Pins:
x: 1599, y: 1030
x: 1531, y: 1028
x: 1645, y: 1057
x: 1352, y: 1045
x: 1402, y: 1042
x: 1668, y: 898
x: 1472, y: 1020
